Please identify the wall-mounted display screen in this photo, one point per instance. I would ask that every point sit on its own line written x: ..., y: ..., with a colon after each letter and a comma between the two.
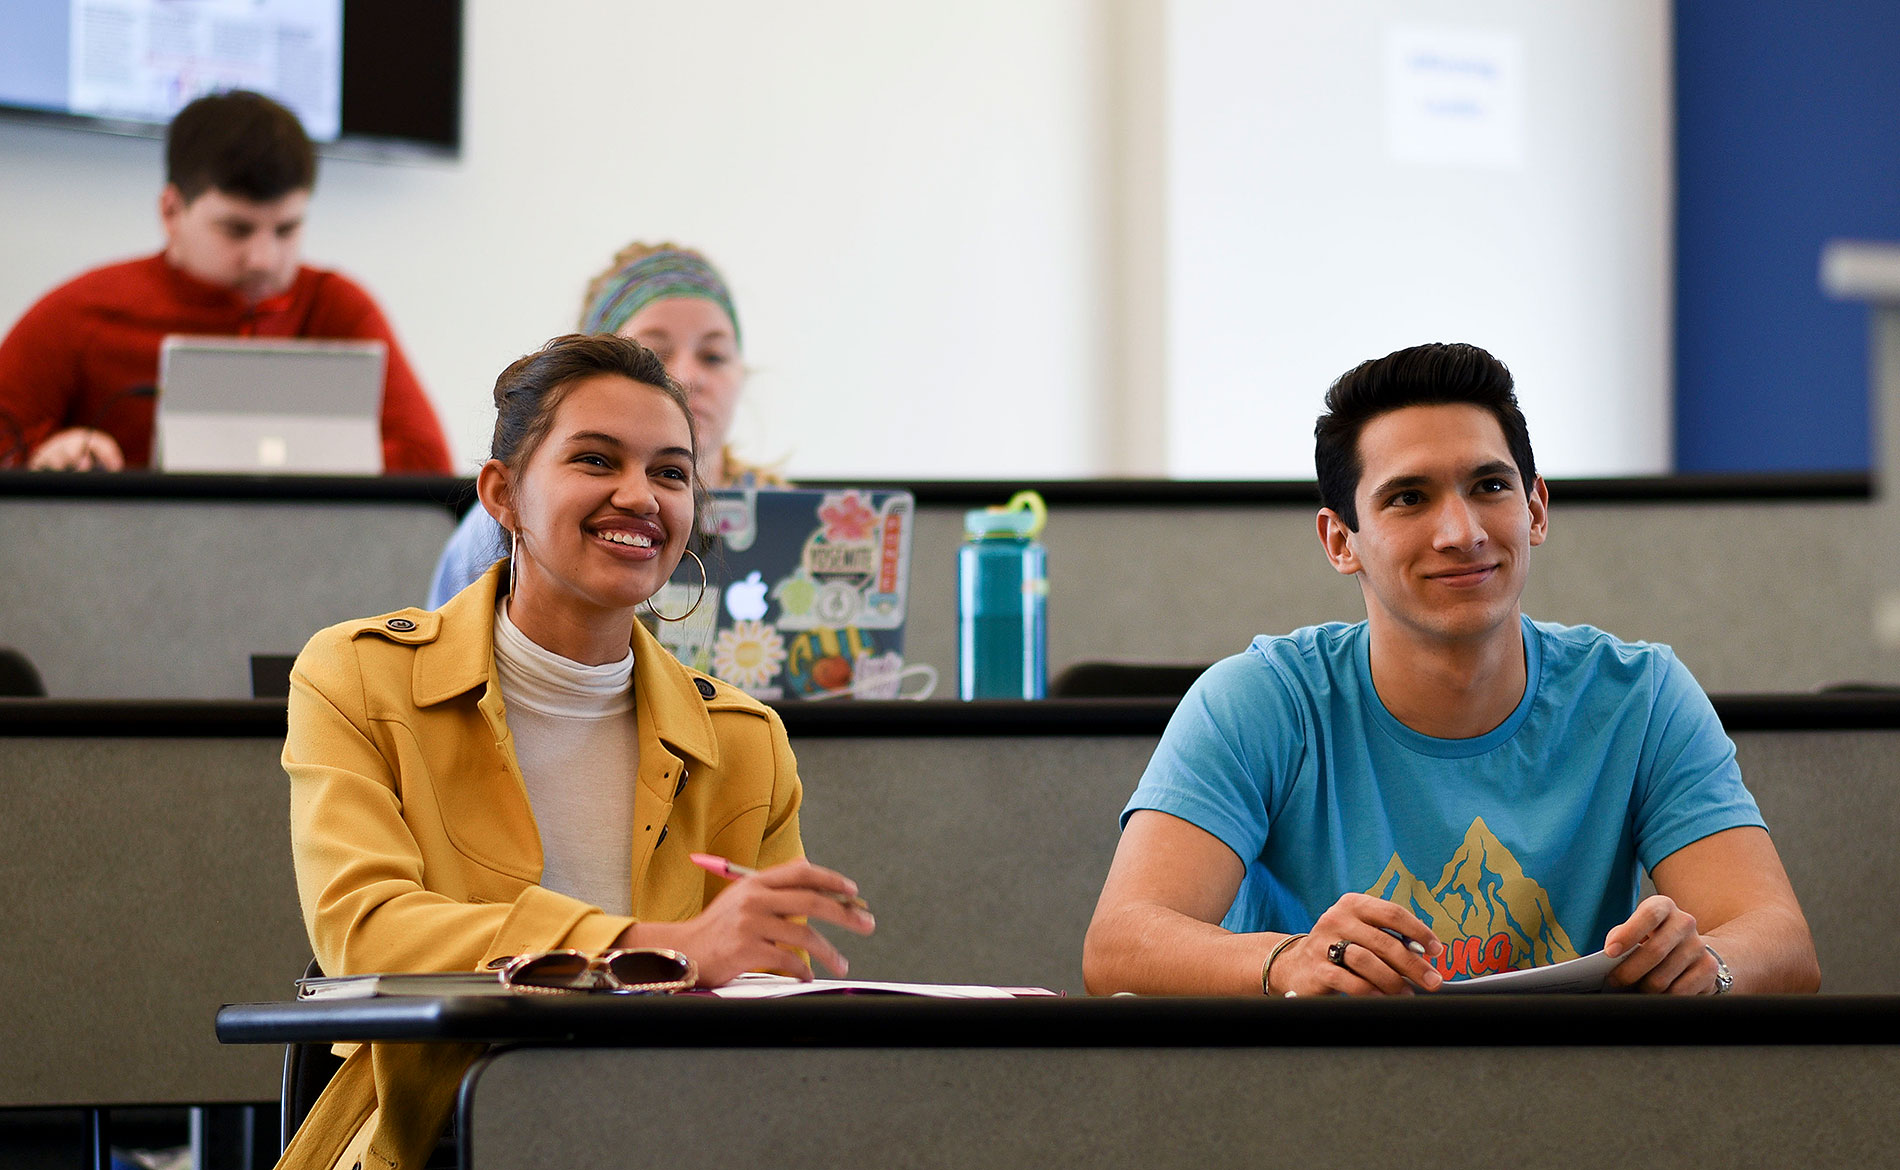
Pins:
x: 365, y: 76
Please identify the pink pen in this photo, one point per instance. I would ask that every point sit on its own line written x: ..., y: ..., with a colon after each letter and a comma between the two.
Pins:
x: 715, y: 864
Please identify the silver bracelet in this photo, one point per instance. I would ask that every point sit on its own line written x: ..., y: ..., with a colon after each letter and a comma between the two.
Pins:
x: 1266, y: 968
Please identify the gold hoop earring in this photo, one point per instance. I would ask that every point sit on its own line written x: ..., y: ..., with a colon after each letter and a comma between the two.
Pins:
x: 702, y: 593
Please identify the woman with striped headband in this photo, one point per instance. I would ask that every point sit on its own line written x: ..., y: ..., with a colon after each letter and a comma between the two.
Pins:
x: 674, y: 302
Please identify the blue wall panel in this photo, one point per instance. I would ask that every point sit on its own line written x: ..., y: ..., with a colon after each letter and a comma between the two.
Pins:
x: 1788, y: 134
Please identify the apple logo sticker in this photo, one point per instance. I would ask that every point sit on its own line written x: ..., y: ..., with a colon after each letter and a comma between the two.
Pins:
x: 745, y: 600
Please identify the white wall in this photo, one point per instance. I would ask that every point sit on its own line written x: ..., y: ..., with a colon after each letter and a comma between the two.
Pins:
x: 906, y: 198
x: 994, y: 238
x: 1303, y: 238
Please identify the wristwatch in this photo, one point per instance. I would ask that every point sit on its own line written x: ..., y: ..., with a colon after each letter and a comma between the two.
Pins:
x: 1724, y: 981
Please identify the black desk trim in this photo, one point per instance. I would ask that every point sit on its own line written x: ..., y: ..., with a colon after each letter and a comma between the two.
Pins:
x: 1173, y: 493
x: 1076, y: 1022
x: 143, y: 718
x: 265, y: 718
x: 458, y: 493
x: 949, y: 718
x: 447, y: 491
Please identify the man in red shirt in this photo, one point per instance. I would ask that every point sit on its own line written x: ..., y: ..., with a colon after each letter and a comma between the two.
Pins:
x: 78, y: 371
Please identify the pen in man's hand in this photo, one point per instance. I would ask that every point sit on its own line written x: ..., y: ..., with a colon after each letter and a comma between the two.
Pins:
x: 714, y: 864
x: 1411, y: 944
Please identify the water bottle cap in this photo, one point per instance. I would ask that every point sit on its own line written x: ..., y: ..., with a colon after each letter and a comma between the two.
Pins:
x: 1023, y: 516
x: 996, y: 522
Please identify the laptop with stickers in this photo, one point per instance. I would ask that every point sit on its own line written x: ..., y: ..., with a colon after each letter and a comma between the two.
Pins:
x: 805, y: 595
x: 246, y: 404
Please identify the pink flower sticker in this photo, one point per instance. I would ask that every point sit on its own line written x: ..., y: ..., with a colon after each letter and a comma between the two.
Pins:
x: 847, y: 519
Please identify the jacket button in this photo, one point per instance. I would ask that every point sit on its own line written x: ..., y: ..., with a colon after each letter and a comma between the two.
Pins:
x: 706, y: 689
x: 400, y: 625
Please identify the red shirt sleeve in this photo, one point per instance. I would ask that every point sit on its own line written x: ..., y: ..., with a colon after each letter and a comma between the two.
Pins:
x: 39, y: 378
x: 412, y: 435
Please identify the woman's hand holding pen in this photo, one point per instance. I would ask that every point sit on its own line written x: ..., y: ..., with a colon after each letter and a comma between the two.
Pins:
x: 759, y: 923
x: 1362, y: 945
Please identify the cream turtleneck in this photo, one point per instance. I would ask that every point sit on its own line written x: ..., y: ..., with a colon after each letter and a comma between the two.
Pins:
x: 578, y: 745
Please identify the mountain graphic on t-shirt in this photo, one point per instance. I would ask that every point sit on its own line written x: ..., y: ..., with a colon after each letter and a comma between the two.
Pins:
x: 1399, y: 884
x: 1483, y: 897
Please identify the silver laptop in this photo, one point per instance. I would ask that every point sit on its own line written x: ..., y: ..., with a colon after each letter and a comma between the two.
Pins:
x: 245, y: 404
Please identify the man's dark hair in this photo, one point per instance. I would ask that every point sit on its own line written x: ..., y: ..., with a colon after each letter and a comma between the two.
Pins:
x: 240, y: 143
x: 1425, y: 375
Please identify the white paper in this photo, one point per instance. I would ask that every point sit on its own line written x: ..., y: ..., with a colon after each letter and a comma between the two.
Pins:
x: 761, y: 986
x: 1572, y: 977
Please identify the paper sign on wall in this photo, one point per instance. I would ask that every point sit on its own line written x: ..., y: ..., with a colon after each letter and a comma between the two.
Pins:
x: 1454, y: 97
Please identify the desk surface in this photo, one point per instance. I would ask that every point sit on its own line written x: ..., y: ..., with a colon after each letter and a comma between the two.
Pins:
x: 1871, y: 710
x: 134, y: 543
x: 1076, y: 1022
x: 1132, y: 1084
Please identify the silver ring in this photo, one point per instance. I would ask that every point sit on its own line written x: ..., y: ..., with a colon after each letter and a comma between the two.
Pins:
x: 1336, y: 954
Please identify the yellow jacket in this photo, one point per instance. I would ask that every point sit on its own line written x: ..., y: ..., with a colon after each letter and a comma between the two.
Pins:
x: 416, y: 850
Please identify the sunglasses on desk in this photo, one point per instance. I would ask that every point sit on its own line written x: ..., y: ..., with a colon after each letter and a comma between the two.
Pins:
x: 635, y: 971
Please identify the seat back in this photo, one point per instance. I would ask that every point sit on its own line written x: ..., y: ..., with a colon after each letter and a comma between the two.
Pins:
x: 18, y: 678
x: 1125, y: 680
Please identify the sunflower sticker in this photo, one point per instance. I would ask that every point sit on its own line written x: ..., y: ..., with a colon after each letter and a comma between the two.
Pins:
x: 747, y: 655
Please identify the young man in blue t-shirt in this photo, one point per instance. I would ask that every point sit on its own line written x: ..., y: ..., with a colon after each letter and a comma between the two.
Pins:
x: 1448, y: 776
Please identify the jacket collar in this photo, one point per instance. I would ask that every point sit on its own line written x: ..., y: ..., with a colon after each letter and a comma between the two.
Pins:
x: 669, y: 693
x: 461, y: 658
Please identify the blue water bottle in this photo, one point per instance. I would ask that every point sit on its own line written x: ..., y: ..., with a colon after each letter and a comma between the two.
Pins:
x: 1002, y: 600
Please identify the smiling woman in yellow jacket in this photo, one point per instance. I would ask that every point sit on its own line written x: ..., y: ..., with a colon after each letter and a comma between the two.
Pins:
x: 433, y: 831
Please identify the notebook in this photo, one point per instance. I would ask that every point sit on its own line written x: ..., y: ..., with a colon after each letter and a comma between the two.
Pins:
x: 805, y: 595
x: 241, y: 404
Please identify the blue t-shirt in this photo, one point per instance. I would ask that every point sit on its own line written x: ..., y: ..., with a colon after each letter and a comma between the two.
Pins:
x: 1519, y: 847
